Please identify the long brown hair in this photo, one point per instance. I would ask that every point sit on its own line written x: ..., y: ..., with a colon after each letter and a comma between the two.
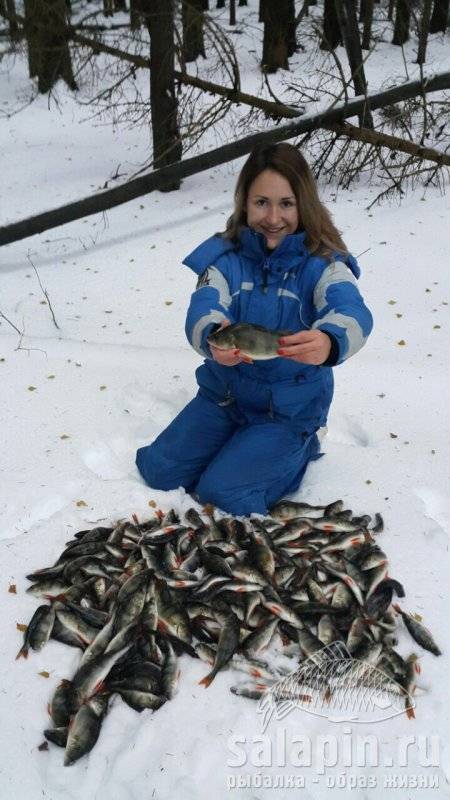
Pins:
x: 322, y: 237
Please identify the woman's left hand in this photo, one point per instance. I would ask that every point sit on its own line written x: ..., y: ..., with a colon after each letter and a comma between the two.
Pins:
x: 306, y: 347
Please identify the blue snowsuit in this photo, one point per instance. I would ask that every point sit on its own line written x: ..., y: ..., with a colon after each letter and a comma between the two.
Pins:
x: 245, y: 440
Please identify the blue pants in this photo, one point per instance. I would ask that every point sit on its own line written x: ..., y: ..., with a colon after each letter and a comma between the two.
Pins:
x: 242, y: 469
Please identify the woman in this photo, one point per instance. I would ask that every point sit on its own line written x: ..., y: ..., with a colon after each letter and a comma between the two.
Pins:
x: 245, y: 440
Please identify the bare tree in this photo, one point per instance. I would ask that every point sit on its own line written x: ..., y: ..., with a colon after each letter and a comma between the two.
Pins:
x: 439, y: 17
x: 423, y: 31
x: 402, y: 22
x: 346, y: 12
x: 167, y: 146
x: 8, y: 11
x: 135, y: 14
x: 332, y: 36
x: 368, y: 19
x: 192, y: 18
x: 276, y: 36
x: 46, y: 32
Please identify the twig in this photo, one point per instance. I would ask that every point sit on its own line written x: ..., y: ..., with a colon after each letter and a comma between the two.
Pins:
x: 3, y: 316
x: 44, y: 292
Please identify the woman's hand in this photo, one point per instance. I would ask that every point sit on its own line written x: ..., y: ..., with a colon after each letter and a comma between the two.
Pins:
x: 306, y: 347
x: 228, y: 358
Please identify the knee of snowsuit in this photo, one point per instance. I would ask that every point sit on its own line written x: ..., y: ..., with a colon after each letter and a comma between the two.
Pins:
x: 239, y: 467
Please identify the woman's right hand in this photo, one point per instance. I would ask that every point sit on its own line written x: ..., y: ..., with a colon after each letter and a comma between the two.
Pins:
x: 228, y: 358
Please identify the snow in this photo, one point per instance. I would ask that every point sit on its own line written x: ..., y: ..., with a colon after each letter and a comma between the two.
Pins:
x: 77, y: 401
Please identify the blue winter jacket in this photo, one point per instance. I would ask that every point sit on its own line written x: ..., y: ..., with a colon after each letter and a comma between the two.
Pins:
x: 285, y: 289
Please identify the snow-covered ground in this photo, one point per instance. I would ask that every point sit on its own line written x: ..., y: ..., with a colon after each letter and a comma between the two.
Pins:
x: 77, y: 401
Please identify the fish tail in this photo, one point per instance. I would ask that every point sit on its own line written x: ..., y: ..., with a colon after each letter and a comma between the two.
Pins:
x: 410, y: 713
x: 207, y: 680
x: 23, y: 652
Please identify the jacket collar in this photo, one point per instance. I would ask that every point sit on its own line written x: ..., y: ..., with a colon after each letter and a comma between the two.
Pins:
x: 289, y: 254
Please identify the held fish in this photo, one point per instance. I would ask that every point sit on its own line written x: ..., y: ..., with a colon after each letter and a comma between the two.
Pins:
x: 253, y: 341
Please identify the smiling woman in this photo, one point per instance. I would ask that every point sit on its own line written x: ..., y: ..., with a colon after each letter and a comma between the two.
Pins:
x: 247, y: 437
x: 272, y: 207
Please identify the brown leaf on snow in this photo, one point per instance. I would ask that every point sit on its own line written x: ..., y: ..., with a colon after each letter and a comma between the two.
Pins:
x: 43, y: 746
x: 21, y: 627
x: 12, y: 588
x: 401, y: 342
x: 32, y: 388
x: 81, y: 504
x: 393, y: 436
x: 152, y: 503
x: 44, y: 673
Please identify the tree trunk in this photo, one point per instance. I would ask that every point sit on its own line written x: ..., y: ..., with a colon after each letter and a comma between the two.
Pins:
x: 292, y: 27
x: 262, y: 10
x: 9, y: 11
x: 220, y: 4
x: 368, y: 18
x: 276, y: 35
x: 192, y: 16
x: 46, y: 32
x: 108, y: 8
x: 391, y: 8
x: 348, y: 23
x: 167, y: 146
x: 120, y: 5
x: 243, y: 3
x: 439, y: 17
x: 135, y: 14
x: 402, y: 20
x: 32, y: 37
x: 423, y: 31
x: 332, y: 36
x: 232, y: 12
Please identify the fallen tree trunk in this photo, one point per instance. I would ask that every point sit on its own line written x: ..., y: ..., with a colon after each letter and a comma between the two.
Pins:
x: 392, y: 142
x: 182, y: 169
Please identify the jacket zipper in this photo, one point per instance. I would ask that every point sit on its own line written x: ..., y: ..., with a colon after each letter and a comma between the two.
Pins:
x: 266, y: 268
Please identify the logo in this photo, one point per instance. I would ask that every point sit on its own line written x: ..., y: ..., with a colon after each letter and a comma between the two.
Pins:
x: 331, y: 683
x: 204, y: 279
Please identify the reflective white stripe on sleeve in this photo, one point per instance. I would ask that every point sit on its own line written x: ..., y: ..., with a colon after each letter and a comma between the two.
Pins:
x: 213, y: 277
x: 213, y: 317
x: 337, y: 272
x: 287, y: 293
x: 355, y: 336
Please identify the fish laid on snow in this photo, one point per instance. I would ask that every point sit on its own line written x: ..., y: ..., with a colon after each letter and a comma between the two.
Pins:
x: 135, y: 596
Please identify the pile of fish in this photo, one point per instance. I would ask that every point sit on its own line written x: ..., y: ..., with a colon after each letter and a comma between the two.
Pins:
x: 135, y: 596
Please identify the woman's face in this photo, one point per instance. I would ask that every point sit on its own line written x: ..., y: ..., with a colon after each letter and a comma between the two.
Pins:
x: 272, y: 207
